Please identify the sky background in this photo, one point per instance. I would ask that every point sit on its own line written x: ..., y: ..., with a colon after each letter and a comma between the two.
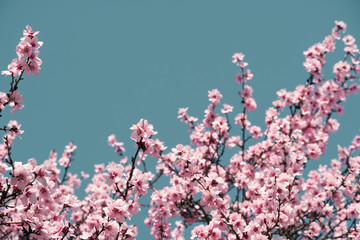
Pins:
x: 108, y: 64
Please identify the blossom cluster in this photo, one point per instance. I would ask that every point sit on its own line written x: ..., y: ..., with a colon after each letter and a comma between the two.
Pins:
x: 220, y: 186
x: 28, y: 60
x: 28, y: 55
x: 262, y: 194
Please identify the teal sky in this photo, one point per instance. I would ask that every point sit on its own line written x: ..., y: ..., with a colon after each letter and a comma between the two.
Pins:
x: 106, y: 64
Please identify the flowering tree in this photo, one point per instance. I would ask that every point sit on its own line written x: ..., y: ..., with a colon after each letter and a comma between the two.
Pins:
x: 257, y: 193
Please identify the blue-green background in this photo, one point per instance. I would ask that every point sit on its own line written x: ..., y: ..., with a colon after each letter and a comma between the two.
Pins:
x: 106, y: 64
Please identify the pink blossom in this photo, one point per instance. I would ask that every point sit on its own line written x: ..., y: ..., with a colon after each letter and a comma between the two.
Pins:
x: 238, y: 78
x: 24, y: 49
x: 241, y: 120
x: 247, y: 74
x: 139, y: 180
x: 115, y: 172
x: 182, y: 114
x: 30, y: 195
x: 341, y: 25
x: 348, y: 40
x: 314, y: 229
x: 70, y: 201
x: 214, y: 96
x: 119, y: 146
x: 142, y: 131
x: 246, y: 92
x: 227, y: 108
x: 73, y: 180
x: 34, y: 68
x: 35, y: 43
x: 28, y: 32
x: 158, y: 148
x: 233, y: 141
x: 111, y: 140
x: 342, y: 68
x: 99, y: 168
x: 312, y: 65
x: 17, y: 66
x: 46, y: 191
x: 356, y: 141
x: 255, y: 131
x: 238, y: 60
x: 314, y: 151
x: 15, y: 127
x: 15, y: 98
x: 118, y: 210
x: 111, y: 230
x: 20, y: 176
x: 84, y: 175
x: 238, y: 57
x: 250, y: 104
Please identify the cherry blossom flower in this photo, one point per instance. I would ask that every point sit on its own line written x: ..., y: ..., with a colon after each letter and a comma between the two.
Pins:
x: 118, y: 210
x: 142, y: 131
x: 214, y: 97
